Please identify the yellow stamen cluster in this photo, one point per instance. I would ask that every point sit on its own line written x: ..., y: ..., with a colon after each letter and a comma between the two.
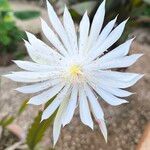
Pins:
x: 75, y: 70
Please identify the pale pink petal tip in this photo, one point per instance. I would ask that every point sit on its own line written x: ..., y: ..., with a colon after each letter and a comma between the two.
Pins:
x: 103, y: 128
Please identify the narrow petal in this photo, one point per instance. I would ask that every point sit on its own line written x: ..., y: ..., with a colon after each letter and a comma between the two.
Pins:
x: 31, y: 66
x: 83, y: 33
x: 96, y: 108
x: 115, y: 91
x: 97, y: 111
x: 104, y: 34
x: 97, y: 24
x: 121, y: 62
x: 119, y: 51
x: 52, y: 37
x: 57, y: 25
x: 114, y: 35
x: 71, y: 106
x: 38, y: 57
x: 116, y: 83
x: 38, y: 86
x: 41, y: 47
x: 46, y: 95
x: 115, y: 75
x: 70, y: 29
x: 109, y: 98
x: 58, y: 120
x: 110, y: 40
x: 85, y: 114
x: 56, y: 128
x: 29, y: 77
x: 102, y: 126
x: 56, y: 102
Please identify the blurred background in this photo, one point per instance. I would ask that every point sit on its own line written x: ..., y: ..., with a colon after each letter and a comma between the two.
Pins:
x: 126, y: 124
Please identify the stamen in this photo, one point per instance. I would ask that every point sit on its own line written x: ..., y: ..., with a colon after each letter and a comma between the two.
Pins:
x: 75, y: 70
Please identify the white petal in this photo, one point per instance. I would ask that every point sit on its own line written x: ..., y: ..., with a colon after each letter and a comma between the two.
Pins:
x: 97, y: 24
x: 71, y: 107
x: 70, y: 29
x: 110, y: 40
x: 119, y: 51
x: 28, y: 77
x: 116, y: 91
x: 41, y: 47
x: 37, y: 56
x: 46, y: 95
x: 38, y: 86
x: 103, y: 128
x: 114, y: 35
x: 31, y: 66
x: 97, y: 111
x: 58, y: 120
x: 117, y: 83
x: 96, y: 108
x: 56, y: 102
x: 115, y: 75
x: 109, y: 98
x: 52, y: 37
x: 105, y: 32
x: 57, y: 25
x: 120, y: 62
x: 83, y: 33
x: 85, y: 114
x: 56, y: 128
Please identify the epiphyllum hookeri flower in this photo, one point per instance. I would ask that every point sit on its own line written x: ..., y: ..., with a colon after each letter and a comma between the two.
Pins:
x: 76, y: 70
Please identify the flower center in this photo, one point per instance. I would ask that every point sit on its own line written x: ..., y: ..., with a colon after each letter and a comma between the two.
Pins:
x: 75, y: 70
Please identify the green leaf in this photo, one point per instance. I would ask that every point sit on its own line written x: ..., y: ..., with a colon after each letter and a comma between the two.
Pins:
x: 22, y: 108
x: 143, y: 11
x: 38, y: 128
x: 26, y: 15
x: 6, y: 121
x: 4, y: 5
x: 5, y: 40
x: 146, y: 11
x: 136, y: 2
x: 80, y: 8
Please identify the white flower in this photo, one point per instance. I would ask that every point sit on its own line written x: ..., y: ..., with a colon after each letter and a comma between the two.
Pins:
x: 76, y: 70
